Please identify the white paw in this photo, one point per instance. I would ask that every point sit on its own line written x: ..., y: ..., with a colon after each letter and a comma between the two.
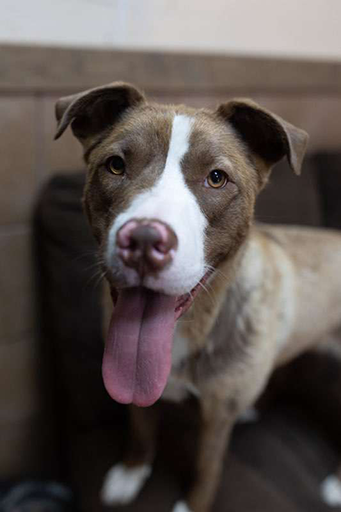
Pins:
x: 331, y: 491
x: 122, y: 484
x: 250, y: 415
x: 181, y: 506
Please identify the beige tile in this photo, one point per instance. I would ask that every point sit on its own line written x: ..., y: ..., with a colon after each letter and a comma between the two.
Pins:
x: 20, y: 384
x: 16, y: 285
x: 64, y: 154
x: 17, y: 150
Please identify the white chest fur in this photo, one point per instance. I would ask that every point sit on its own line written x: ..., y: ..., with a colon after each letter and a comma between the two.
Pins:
x: 180, y: 349
x: 178, y: 389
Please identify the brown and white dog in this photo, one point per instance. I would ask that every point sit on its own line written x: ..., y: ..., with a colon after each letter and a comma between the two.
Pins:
x: 170, y: 196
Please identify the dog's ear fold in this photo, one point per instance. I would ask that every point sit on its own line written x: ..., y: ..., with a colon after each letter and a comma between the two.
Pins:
x: 267, y: 135
x: 90, y: 112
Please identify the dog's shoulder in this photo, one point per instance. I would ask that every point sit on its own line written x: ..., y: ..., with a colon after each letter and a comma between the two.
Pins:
x: 307, y: 247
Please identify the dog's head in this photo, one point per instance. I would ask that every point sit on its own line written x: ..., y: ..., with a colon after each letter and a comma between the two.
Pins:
x: 170, y: 194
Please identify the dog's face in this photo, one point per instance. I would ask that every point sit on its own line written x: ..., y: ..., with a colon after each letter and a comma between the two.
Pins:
x: 188, y: 177
x: 170, y: 190
x: 180, y: 172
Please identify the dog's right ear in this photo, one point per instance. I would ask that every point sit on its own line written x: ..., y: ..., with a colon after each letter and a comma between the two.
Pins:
x: 91, y: 112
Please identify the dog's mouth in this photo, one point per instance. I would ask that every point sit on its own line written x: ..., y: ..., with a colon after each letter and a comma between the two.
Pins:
x: 185, y: 301
x: 138, y: 350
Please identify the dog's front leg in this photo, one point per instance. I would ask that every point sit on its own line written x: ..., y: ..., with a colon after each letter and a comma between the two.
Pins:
x: 218, y: 418
x: 124, y: 481
x: 143, y: 426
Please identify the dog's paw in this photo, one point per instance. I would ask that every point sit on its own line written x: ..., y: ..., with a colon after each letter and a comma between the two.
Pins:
x: 181, y: 506
x: 122, y: 484
x: 331, y: 491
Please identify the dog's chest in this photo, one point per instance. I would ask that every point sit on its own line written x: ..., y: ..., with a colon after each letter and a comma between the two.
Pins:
x: 180, y: 350
x: 178, y: 389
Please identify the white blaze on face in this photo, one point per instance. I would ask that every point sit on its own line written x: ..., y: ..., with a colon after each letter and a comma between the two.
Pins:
x: 170, y: 201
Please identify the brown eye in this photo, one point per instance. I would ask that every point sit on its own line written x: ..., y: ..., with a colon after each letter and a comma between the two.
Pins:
x: 216, y: 179
x: 115, y: 165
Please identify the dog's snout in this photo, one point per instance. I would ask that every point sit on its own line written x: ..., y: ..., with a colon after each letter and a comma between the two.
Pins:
x: 146, y: 245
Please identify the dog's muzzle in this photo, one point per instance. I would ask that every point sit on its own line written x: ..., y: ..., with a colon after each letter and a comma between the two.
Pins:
x: 146, y: 245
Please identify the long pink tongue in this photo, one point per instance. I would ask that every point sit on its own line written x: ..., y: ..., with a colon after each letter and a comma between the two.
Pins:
x: 138, y: 350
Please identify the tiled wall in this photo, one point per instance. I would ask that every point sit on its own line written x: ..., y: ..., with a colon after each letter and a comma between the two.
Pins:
x: 28, y: 157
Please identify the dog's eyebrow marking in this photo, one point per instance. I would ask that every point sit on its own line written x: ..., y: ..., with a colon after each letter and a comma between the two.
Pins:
x: 223, y: 162
x: 90, y: 150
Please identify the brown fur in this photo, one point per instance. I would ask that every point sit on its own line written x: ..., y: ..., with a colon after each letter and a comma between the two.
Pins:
x: 274, y: 291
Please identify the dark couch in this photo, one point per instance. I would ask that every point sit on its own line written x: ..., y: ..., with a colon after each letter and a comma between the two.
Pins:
x: 274, y: 465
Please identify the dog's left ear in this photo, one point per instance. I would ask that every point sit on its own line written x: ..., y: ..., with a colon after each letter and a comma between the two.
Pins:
x: 266, y: 135
x: 91, y: 112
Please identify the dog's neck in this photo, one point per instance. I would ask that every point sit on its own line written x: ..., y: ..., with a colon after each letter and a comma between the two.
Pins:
x: 198, y: 322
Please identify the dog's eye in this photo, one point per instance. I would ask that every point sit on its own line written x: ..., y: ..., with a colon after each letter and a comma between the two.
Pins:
x: 216, y: 179
x: 115, y: 165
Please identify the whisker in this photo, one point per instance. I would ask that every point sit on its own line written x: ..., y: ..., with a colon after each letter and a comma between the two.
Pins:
x: 86, y: 254
x: 94, y: 265
x: 184, y: 320
x: 218, y: 271
x: 96, y: 278
x: 210, y: 294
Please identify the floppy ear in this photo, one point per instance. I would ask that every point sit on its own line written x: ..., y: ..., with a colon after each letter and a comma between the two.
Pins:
x: 267, y: 135
x: 91, y: 112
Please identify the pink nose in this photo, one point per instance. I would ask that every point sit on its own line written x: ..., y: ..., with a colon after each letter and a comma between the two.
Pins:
x: 146, y: 245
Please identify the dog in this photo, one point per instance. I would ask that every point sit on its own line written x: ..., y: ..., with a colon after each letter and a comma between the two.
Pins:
x: 170, y: 196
